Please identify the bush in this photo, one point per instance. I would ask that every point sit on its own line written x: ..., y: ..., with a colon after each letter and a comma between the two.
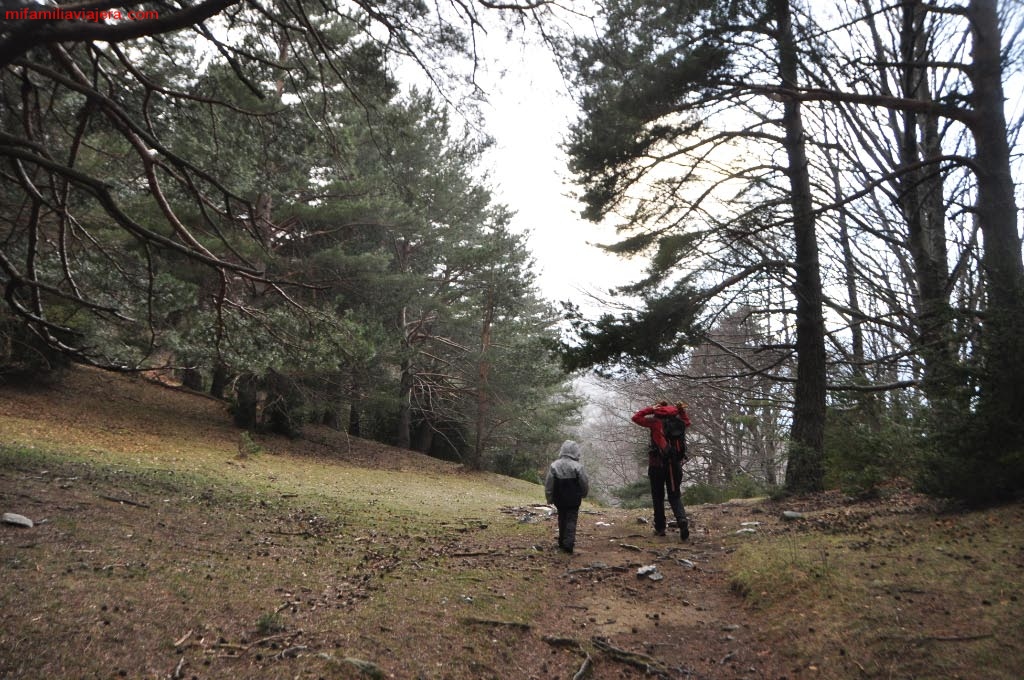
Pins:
x: 269, y: 624
x: 699, y: 494
x: 740, y: 486
x: 638, y: 494
x: 860, y: 458
x: 635, y: 495
x: 974, y: 469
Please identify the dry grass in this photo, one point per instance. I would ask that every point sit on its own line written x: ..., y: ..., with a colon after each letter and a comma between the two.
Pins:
x: 893, y: 589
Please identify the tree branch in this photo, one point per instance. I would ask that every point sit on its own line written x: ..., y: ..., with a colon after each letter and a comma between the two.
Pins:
x: 32, y: 33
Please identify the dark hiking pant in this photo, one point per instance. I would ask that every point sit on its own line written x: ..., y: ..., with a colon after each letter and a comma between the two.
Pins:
x: 567, y: 516
x: 662, y: 478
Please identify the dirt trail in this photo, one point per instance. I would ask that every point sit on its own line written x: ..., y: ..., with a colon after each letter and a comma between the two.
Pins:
x: 686, y: 624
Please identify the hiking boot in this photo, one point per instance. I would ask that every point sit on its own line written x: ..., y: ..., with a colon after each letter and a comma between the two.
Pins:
x: 659, y: 532
x: 684, y: 531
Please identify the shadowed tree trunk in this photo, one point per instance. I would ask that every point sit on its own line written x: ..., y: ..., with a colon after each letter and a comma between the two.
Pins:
x: 403, y: 438
x: 805, y: 471
x: 482, y: 390
x: 219, y: 381
x: 1002, y: 399
x: 192, y: 378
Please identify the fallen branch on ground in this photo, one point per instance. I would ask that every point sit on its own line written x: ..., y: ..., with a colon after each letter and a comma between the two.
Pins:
x: 126, y: 501
x: 472, y: 620
x: 367, y: 668
x: 937, y: 638
x: 482, y: 553
x: 290, y: 652
x: 584, y: 670
x: 597, y: 567
x: 257, y: 643
x: 282, y: 532
x: 562, y: 642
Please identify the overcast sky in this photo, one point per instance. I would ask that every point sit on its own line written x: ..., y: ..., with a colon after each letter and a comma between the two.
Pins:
x: 528, y: 115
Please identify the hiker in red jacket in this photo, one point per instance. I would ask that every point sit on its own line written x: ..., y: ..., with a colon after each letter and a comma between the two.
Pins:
x: 665, y: 461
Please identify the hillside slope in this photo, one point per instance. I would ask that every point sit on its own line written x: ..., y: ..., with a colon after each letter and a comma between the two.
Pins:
x: 166, y: 548
x: 131, y: 414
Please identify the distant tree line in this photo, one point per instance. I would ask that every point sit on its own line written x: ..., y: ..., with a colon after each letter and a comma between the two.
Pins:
x: 242, y: 193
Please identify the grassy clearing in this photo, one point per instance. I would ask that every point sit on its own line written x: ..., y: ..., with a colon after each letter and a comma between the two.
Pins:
x: 892, y: 594
x: 231, y: 569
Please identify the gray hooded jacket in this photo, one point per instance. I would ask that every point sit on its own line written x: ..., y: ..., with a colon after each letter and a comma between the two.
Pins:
x: 566, y: 482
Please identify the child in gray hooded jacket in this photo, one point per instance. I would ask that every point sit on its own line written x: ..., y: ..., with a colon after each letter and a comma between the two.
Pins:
x: 565, y: 487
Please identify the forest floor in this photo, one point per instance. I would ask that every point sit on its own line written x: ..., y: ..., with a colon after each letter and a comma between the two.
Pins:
x: 167, y: 545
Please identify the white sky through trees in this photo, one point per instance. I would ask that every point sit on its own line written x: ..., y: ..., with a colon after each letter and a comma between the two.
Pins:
x: 528, y: 113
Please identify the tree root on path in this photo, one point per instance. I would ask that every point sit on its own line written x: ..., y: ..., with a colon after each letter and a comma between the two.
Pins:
x: 588, y: 662
x: 648, y: 664
x: 584, y: 670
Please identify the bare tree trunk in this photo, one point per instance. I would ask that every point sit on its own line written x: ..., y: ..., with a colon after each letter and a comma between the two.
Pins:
x: 355, y: 400
x: 482, y: 389
x: 921, y: 201
x: 1002, y: 399
x: 805, y: 471
x: 354, y: 424
x: 219, y: 380
x: 424, y: 439
x: 403, y: 434
x: 867, y: 401
x: 403, y: 438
